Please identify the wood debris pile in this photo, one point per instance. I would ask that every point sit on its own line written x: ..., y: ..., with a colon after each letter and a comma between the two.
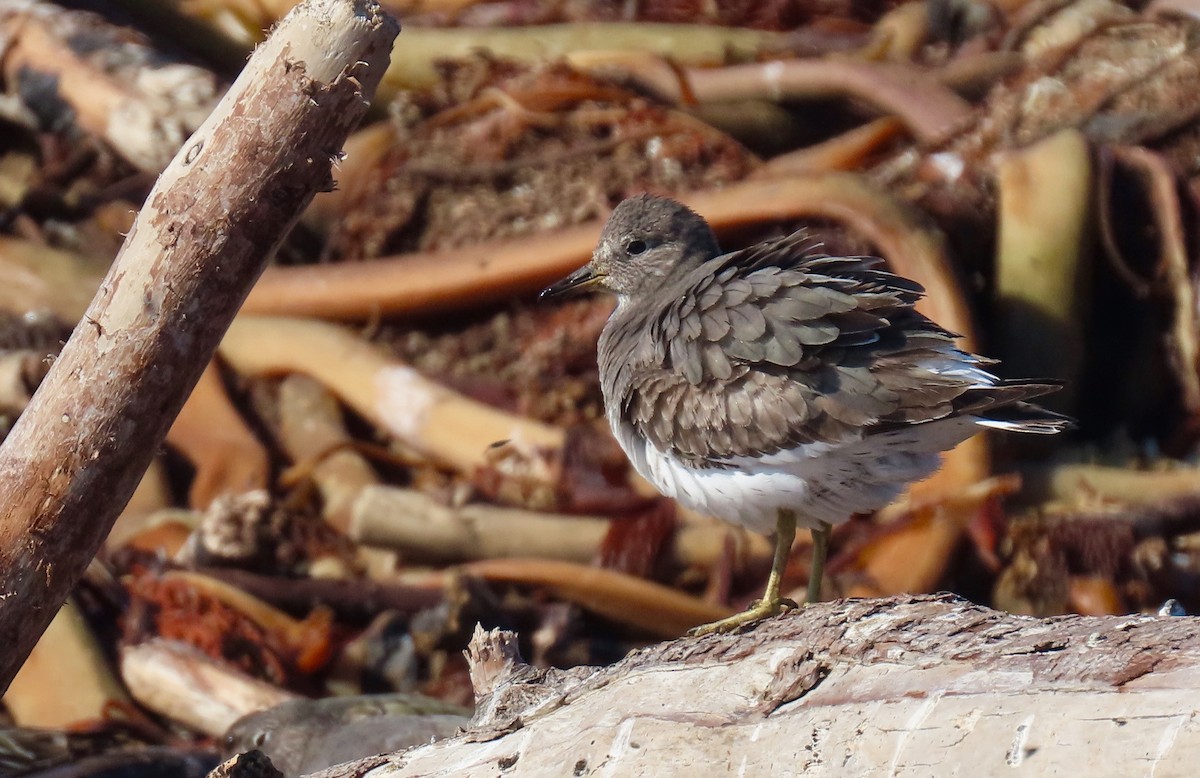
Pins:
x: 397, y: 442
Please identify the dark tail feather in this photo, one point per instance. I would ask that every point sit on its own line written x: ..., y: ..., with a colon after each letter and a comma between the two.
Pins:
x: 1026, y: 417
x: 979, y: 400
x: 1004, y: 407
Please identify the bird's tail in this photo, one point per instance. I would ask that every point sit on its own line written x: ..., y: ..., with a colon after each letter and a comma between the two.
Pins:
x: 1026, y: 417
x: 1004, y: 407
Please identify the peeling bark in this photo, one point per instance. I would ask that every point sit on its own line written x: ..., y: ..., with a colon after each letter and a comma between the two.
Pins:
x: 217, y: 213
x: 903, y: 686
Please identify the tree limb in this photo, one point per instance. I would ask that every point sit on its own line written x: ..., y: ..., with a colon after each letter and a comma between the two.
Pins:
x: 218, y: 212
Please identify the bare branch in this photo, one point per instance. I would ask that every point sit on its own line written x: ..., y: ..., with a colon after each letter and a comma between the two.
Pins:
x: 218, y: 212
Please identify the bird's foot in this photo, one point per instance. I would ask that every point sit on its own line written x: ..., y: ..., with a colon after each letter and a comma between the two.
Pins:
x: 759, y: 610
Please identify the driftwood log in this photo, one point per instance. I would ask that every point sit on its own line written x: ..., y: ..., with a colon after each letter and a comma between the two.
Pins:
x: 216, y: 215
x: 908, y: 686
x: 73, y: 70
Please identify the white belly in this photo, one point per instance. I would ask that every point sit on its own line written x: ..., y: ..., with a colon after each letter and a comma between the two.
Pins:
x: 820, y: 481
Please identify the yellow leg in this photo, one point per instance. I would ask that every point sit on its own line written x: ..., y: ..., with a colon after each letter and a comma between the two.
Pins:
x: 820, y: 537
x: 771, y: 603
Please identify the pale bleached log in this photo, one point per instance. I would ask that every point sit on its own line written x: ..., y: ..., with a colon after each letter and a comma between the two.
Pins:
x: 1043, y: 272
x: 216, y: 215
x: 908, y: 686
x: 426, y: 530
x: 228, y: 458
x: 312, y: 431
x: 67, y: 681
x: 190, y: 687
x: 445, y: 425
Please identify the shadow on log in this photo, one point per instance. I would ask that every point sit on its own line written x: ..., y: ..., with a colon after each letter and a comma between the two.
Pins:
x: 901, y: 686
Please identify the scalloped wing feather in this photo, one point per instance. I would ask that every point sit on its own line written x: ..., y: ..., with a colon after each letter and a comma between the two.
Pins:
x: 765, y: 349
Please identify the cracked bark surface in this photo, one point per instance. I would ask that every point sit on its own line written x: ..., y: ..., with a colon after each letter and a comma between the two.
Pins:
x: 901, y: 686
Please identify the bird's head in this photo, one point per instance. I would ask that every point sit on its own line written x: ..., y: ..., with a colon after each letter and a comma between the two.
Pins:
x: 645, y: 239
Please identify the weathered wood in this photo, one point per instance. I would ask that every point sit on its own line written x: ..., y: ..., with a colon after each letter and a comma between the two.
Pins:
x: 909, y: 686
x: 218, y: 212
x: 185, y: 685
x: 75, y: 71
x: 68, y: 681
x: 424, y: 529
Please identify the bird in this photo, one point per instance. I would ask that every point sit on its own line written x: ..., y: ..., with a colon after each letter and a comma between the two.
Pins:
x: 777, y: 387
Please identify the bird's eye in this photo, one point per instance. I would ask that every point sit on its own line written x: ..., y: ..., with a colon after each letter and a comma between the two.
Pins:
x: 635, y: 246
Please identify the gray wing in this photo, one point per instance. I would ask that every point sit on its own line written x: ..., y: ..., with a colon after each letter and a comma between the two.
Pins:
x: 773, y: 347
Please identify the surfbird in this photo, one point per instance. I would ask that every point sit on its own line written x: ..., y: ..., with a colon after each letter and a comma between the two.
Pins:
x: 775, y: 386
